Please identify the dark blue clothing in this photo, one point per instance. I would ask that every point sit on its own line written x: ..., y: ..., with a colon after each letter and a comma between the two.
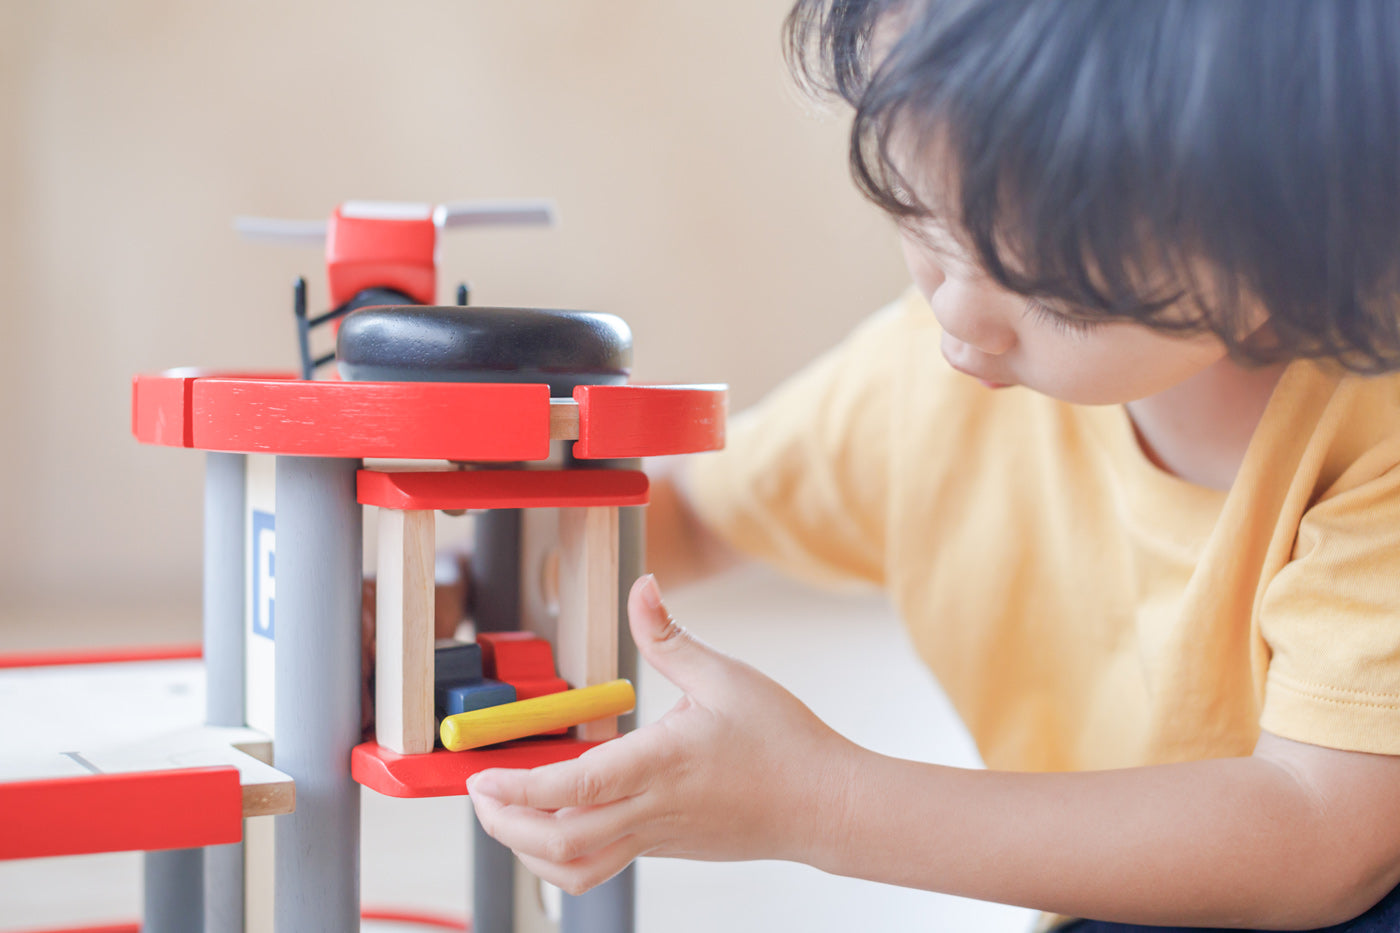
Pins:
x: 1383, y: 918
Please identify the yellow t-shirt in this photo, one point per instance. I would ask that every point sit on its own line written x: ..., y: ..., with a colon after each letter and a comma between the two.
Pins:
x: 1082, y: 608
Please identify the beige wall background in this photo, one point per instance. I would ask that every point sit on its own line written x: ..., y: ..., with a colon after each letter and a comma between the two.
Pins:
x: 702, y: 198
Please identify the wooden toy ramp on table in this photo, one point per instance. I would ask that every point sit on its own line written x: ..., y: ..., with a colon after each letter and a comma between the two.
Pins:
x: 508, y: 451
x: 103, y: 751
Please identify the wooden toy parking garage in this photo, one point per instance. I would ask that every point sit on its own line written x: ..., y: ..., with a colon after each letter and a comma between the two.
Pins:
x: 521, y: 416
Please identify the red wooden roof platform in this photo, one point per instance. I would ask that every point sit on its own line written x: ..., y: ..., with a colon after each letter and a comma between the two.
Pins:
x: 482, y: 422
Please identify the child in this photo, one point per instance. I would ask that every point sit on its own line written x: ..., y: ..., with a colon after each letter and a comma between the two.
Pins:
x: 1128, y: 462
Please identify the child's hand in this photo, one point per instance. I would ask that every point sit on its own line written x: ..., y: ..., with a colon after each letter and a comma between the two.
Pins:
x: 738, y: 769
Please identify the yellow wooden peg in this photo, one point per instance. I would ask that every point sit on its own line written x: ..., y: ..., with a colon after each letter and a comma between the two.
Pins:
x: 541, y: 714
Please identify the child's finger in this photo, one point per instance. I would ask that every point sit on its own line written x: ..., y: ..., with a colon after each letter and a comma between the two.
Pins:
x: 560, y: 837
x: 586, y: 873
x: 680, y: 657
x: 609, y: 772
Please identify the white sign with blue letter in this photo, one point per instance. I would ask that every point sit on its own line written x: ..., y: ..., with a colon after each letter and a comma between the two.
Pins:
x: 260, y: 593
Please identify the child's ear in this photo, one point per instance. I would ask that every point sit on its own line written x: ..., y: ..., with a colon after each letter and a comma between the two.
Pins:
x: 1235, y: 314
x: 1254, y: 334
x: 1253, y: 318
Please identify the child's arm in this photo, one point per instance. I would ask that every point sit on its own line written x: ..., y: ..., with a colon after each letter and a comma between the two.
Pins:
x: 1294, y: 836
x: 680, y: 548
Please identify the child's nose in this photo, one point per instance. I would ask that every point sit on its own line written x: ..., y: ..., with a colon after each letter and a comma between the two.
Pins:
x: 981, y: 331
x: 968, y: 318
x: 993, y: 339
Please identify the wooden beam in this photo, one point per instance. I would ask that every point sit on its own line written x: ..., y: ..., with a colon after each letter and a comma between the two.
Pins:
x: 586, y: 644
x: 403, y: 691
x: 563, y: 419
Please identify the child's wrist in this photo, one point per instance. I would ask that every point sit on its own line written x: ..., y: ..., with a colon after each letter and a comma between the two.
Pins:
x: 825, y: 814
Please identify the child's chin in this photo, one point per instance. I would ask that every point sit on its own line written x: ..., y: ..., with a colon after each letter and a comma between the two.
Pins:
x: 1080, y: 394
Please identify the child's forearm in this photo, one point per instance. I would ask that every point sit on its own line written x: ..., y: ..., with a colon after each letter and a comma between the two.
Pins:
x: 1231, y: 842
x: 680, y: 548
x: 1296, y: 836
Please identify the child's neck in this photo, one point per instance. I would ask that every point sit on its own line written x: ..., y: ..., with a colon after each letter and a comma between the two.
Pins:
x: 1199, y: 429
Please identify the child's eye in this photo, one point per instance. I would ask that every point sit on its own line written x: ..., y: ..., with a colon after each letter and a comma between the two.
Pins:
x: 1061, y: 322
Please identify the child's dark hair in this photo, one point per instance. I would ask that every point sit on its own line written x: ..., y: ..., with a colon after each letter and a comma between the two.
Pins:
x: 1123, y: 156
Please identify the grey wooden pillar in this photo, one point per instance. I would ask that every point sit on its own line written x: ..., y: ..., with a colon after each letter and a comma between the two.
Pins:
x: 173, y: 899
x: 611, y: 907
x: 496, y: 607
x: 317, y: 714
x: 225, y: 550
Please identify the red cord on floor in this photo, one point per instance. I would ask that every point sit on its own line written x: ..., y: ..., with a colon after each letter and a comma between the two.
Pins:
x: 441, y: 921
x: 415, y: 917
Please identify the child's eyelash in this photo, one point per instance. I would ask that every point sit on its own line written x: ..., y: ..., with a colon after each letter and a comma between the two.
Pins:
x: 1062, y: 323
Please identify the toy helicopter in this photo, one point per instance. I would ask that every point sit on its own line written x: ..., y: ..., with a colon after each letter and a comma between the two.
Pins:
x: 383, y: 252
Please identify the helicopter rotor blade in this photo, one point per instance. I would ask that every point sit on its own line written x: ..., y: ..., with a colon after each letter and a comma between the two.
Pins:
x: 501, y: 213
x: 536, y: 212
x: 291, y: 232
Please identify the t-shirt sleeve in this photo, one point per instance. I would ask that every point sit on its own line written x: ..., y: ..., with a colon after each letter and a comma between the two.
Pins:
x: 803, y: 481
x: 1331, y: 619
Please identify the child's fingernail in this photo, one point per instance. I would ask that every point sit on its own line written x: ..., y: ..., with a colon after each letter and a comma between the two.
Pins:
x: 482, y: 786
x: 651, y: 593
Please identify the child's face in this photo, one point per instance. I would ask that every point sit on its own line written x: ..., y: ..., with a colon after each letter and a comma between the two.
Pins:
x: 1002, y: 339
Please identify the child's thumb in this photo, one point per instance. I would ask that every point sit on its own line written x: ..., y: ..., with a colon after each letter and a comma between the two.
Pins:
x: 680, y: 657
